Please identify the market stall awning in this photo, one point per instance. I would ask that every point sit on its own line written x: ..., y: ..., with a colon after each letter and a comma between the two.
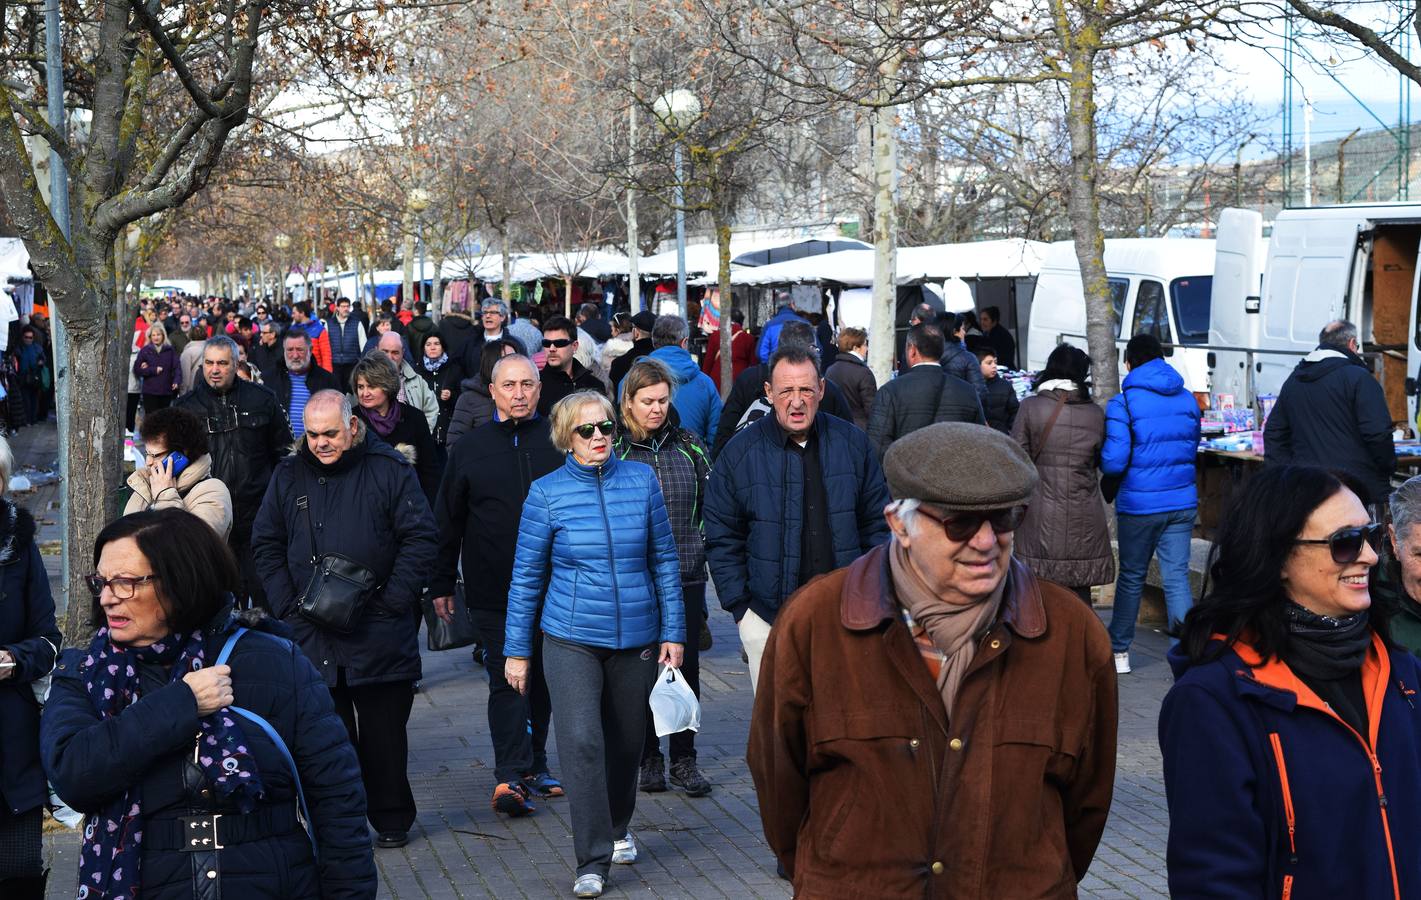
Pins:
x: 1011, y: 258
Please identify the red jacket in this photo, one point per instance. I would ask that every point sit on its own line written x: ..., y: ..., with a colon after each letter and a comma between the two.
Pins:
x: 742, y: 354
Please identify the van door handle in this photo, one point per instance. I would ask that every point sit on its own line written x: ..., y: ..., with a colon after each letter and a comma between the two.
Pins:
x: 1211, y: 359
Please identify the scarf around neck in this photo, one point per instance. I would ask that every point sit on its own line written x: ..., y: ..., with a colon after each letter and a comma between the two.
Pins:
x: 385, y: 424
x: 1058, y: 384
x: 434, y: 365
x: 113, y: 837
x: 954, y: 630
x: 1324, y: 647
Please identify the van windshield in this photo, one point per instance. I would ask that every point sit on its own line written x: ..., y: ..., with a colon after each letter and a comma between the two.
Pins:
x: 1190, y: 297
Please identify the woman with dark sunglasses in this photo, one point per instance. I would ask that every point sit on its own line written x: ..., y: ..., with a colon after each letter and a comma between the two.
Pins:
x: 597, y: 571
x: 1292, y: 738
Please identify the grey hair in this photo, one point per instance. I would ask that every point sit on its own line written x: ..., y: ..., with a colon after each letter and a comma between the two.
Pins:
x: 514, y: 357
x: 221, y: 341
x: 495, y: 303
x: 347, y: 407
x: 1406, y: 508
x: 669, y: 331
x: 906, y: 510
x: 1338, y: 334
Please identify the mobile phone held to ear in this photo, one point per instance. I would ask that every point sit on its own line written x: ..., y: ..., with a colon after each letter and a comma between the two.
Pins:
x: 179, y: 462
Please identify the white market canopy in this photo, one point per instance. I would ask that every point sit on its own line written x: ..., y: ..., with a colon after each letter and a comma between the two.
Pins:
x: 14, y: 260
x: 1011, y: 258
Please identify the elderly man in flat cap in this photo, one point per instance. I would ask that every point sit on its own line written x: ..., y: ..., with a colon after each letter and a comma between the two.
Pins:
x: 935, y: 721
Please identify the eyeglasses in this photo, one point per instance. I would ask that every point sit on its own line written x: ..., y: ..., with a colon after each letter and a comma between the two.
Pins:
x: 556, y: 342
x: 963, y: 525
x: 606, y: 426
x: 122, y: 586
x: 1345, y: 544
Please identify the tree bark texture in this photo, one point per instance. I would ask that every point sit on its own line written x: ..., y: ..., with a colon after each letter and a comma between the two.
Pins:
x: 884, y: 312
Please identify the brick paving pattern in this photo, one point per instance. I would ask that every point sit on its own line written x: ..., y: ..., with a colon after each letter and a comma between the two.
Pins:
x: 708, y: 847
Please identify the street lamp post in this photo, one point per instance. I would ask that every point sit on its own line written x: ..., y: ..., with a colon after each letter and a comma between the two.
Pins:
x: 418, y: 203
x: 677, y: 109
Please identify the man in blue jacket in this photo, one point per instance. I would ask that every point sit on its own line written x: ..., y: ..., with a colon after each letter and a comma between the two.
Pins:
x: 1151, y: 437
x: 696, y: 400
x: 792, y: 496
x: 1332, y: 413
x: 770, y: 337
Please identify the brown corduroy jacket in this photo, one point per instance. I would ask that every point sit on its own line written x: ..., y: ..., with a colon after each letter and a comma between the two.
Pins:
x: 866, y: 789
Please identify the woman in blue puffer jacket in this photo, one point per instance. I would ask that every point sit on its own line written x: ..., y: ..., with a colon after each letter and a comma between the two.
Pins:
x: 596, y: 569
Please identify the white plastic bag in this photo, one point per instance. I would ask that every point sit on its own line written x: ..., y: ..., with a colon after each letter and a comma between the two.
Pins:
x: 674, y: 706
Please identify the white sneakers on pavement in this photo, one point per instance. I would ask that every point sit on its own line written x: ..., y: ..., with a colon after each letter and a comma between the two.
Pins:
x: 589, y: 885
x: 1122, y: 663
x: 624, y: 850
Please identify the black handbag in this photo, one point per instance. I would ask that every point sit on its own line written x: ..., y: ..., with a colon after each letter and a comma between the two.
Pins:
x: 339, y: 588
x: 442, y: 635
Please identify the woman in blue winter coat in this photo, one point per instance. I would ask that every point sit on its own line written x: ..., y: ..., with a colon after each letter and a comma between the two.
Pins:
x: 184, y: 797
x: 596, y: 569
x: 1292, y: 737
x: 1151, y: 439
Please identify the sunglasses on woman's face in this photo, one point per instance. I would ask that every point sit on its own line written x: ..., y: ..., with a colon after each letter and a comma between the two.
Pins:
x: 606, y: 426
x: 1345, y: 544
x: 963, y: 525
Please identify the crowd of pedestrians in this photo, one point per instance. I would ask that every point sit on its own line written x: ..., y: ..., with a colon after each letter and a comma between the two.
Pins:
x: 909, y: 566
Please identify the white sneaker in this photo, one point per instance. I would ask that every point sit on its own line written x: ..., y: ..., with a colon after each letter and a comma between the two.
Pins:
x: 1122, y: 663
x: 589, y: 885
x: 624, y: 851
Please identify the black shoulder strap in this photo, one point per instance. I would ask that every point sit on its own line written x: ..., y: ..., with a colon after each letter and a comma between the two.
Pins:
x: 303, y: 505
x: 1129, y: 426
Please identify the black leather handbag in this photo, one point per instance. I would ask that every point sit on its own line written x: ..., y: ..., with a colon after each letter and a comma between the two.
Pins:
x: 339, y: 588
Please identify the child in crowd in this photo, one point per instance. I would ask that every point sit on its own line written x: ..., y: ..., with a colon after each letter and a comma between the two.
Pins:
x: 1001, y: 404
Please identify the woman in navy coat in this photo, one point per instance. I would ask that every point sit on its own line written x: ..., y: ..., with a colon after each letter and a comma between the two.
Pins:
x: 1292, y: 738
x: 183, y: 797
x: 29, y: 642
x: 596, y: 569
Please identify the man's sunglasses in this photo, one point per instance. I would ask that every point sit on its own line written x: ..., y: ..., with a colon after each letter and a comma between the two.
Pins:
x: 556, y: 342
x: 962, y: 526
x: 1345, y: 544
x: 606, y: 426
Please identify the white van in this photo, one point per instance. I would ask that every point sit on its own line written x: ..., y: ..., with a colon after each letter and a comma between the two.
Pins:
x: 1157, y: 285
x: 1335, y: 262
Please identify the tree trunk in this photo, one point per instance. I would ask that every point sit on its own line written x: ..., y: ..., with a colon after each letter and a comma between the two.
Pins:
x: 567, y: 297
x: 408, y: 261
x: 436, y: 296
x: 884, y: 313
x: 507, y: 267
x: 1083, y: 210
x: 727, y: 305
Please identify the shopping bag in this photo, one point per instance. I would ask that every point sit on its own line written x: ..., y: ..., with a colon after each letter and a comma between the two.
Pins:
x: 674, y: 706
x: 441, y: 635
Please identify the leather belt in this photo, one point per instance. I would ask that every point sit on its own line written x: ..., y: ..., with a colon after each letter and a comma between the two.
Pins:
x: 215, y: 831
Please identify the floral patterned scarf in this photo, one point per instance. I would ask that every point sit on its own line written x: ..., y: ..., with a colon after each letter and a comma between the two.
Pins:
x: 113, y: 837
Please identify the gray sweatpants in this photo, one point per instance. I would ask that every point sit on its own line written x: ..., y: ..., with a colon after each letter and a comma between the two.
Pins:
x: 599, y: 712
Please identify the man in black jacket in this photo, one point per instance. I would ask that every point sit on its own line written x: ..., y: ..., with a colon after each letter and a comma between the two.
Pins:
x: 343, y: 492
x: 563, y: 374
x: 747, y: 401
x: 247, y: 435
x: 296, y: 382
x: 642, y: 323
x: 265, y: 354
x: 478, y: 510
x: 1332, y: 413
x: 923, y: 395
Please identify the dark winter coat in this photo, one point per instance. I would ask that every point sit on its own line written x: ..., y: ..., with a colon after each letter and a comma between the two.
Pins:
x: 270, y: 361
x: 1007, y: 800
x: 317, y: 379
x: 28, y: 631
x: 1271, y: 795
x: 860, y: 388
x: 456, y: 329
x: 963, y: 363
x: 247, y: 435
x: 480, y: 502
x: 623, y: 364
x: 150, y: 745
x: 367, y: 506
x: 1332, y: 413
x: 750, y: 386
x: 557, y: 384
x: 154, y: 383
x: 682, y: 465
x: 1003, y: 345
x: 596, y: 561
x: 921, y: 396
x: 1065, y: 537
x: 412, y: 439
x: 444, y: 378
x: 755, y: 510
x: 599, y: 329
x: 346, y: 340
x: 419, y: 328
x: 473, y: 408
x: 1152, y: 435
x: 1001, y: 404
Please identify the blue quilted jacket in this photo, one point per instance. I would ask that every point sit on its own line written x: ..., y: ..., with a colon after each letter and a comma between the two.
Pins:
x: 1152, y: 435
x: 596, y: 561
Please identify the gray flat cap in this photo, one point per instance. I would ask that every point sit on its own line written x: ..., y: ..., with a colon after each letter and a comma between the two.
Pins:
x: 960, y: 466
